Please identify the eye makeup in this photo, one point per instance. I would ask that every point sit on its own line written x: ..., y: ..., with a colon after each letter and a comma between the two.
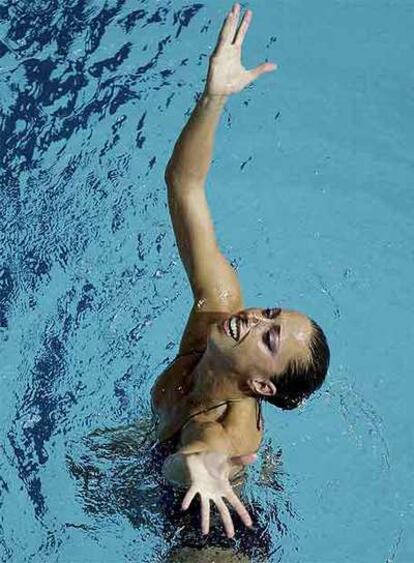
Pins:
x: 271, y: 339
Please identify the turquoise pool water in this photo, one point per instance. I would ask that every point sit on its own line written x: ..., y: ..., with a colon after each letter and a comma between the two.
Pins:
x: 311, y: 192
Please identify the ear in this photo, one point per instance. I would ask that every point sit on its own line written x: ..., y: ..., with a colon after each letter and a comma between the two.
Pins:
x: 262, y: 386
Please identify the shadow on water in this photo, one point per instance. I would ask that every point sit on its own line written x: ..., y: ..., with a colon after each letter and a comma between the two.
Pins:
x: 118, y: 471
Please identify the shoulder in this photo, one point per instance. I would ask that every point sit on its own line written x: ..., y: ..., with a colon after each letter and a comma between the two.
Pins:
x: 174, y: 383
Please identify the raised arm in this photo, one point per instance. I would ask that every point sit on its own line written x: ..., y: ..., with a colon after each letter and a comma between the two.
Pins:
x: 213, y: 281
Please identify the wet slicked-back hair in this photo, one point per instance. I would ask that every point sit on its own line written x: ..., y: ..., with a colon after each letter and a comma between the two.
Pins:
x: 300, y: 380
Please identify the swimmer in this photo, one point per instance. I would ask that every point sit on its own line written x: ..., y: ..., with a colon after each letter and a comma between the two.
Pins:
x: 230, y: 357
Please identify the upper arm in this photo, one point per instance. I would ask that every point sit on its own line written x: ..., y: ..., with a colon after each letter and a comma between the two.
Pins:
x: 213, y: 280
x: 197, y: 437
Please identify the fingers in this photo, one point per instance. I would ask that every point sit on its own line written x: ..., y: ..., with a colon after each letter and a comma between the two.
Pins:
x: 205, y: 515
x: 261, y: 69
x: 191, y: 493
x: 229, y: 27
x: 239, y: 508
x: 244, y: 26
x: 225, y: 516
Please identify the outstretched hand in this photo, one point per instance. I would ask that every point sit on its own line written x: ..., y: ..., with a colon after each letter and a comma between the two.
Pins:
x: 209, y: 476
x: 226, y: 74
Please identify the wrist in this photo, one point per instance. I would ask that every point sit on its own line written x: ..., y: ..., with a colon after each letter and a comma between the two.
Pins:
x: 194, y: 447
x: 175, y: 469
x: 213, y: 99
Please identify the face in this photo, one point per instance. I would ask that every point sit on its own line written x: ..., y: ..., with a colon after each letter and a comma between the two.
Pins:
x: 261, y: 342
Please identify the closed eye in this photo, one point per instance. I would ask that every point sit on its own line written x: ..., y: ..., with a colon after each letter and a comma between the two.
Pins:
x: 271, y: 339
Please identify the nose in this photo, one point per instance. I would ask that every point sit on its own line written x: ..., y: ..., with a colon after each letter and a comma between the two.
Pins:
x: 254, y: 319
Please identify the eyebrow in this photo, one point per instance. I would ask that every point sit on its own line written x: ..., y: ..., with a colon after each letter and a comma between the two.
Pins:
x: 275, y: 312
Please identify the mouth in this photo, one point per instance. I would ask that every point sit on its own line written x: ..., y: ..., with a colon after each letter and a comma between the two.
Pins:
x: 233, y: 327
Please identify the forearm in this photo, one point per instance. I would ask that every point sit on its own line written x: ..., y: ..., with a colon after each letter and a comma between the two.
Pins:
x: 204, y: 437
x: 196, y: 439
x: 193, y: 150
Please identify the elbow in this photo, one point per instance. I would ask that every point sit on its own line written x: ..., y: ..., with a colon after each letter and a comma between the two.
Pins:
x: 167, y: 170
x: 176, y: 178
x: 167, y: 176
x: 170, y: 174
x: 170, y: 177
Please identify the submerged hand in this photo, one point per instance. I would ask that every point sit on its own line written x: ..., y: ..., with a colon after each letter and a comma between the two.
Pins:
x: 209, y: 475
x: 226, y: 74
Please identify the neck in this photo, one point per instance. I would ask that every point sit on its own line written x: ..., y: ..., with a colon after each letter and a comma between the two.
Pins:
x: 214, y: 383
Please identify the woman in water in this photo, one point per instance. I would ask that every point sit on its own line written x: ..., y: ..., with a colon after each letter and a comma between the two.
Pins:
x: 230, y: 358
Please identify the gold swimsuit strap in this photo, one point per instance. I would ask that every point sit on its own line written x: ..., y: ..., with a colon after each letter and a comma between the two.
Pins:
x: 259, y: 411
